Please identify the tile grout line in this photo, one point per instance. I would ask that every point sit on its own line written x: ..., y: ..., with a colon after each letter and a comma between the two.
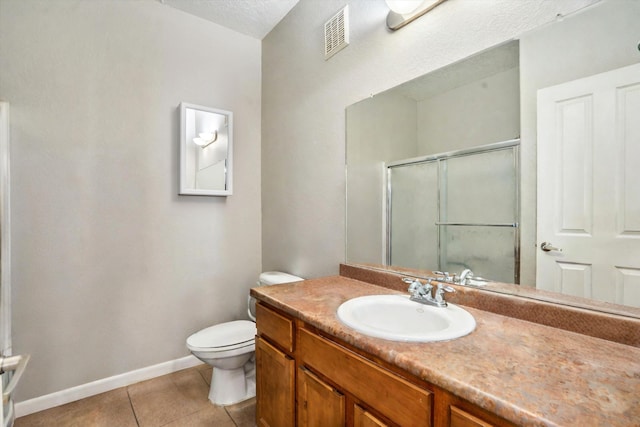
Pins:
x: 230, y: 417
x: 172, y: 378
x: 132, y: 408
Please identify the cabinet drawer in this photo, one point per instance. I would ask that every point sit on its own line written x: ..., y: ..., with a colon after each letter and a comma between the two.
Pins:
x: 392, y: 396
x: 460, y: 418
x: 275, y: 326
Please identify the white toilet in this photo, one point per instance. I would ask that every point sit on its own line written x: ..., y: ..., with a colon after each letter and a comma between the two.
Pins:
x: 229, y: 347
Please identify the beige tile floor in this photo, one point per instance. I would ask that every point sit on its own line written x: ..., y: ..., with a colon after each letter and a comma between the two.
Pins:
x: 174, y: 400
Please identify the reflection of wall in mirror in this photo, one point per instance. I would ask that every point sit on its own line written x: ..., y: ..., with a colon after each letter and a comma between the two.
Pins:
x: 211, y: 166
x: 391, y: 127
x: 481, y: 112
x: 598, y: 39
x: 379, y: 129
x: 206, y: 166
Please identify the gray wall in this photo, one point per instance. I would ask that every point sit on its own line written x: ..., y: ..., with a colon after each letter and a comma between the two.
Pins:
x: 111, y: 269
x: 304, y: 99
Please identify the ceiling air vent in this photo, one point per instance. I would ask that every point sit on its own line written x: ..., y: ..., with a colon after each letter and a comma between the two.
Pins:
x: 336, y: 33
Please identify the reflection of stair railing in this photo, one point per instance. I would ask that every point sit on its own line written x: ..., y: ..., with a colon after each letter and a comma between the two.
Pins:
x: 17, y: 364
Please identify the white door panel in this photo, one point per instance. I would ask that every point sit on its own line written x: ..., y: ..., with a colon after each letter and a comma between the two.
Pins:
x: 589, y: 187
x: 628, y: 181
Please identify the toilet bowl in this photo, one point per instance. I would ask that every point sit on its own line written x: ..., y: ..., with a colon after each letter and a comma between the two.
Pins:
x: 230, y: 347
x: 227, y: 347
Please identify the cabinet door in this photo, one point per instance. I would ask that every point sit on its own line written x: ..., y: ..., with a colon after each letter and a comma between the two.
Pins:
x: 319, y: 404
x: 460, y: 418
x: 275, y: 386
x: 362, y: 418
x: 389, y: 395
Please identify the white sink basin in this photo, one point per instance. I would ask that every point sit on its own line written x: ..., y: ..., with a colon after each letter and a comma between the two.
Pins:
x: 397, y: 318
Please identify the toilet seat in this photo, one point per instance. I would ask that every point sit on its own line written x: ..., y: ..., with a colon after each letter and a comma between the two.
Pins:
x: 224, y: 336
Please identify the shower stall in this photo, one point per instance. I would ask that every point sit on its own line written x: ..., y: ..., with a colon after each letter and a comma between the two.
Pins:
x: 456, y: 210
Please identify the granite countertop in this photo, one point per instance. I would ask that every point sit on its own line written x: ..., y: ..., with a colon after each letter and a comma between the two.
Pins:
x: 527, y: 373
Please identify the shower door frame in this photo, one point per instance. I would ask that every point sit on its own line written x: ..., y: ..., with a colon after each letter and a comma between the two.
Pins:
x: 513, y: 144
x: 5, y: 234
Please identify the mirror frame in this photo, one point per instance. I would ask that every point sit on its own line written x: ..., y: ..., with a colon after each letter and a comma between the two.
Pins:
x: 184, y: 189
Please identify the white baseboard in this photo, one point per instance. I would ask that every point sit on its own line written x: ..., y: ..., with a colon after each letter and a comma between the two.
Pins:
x: 100, y: 386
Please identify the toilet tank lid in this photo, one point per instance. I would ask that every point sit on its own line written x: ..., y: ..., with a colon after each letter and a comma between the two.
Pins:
x: 277, y: 277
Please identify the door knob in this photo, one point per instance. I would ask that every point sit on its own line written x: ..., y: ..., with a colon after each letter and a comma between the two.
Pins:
x: 548, y: 247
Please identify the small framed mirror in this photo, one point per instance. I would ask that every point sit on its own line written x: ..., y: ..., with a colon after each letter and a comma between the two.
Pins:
x: 206, y: 151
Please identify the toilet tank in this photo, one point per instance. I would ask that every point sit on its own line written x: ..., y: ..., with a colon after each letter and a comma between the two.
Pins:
x: 269, y: 278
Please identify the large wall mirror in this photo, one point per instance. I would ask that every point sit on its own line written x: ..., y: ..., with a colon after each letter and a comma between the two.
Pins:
x: 206, y: 148
x: 567, y: 95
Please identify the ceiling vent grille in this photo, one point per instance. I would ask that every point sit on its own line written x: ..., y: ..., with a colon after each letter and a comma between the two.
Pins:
x: 336, y: 33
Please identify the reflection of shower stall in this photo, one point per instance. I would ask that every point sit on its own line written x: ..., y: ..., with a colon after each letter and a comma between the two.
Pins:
x: 456, y: 210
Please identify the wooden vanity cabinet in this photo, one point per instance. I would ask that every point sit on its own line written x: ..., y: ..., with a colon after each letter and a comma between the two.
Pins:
x: 275, y: 369
x: 306, y: 379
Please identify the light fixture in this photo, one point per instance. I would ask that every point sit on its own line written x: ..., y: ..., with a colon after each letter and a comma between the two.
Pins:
x: 206, y: 139
x: 405, y: 11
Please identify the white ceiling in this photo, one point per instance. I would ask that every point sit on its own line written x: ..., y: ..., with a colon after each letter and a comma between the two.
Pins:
x: 255, y: 18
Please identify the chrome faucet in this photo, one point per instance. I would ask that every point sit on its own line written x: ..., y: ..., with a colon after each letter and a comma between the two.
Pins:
x: 447, y: 278
x: 467, y: 278
x: 422, y: 292
x: 465, y: 275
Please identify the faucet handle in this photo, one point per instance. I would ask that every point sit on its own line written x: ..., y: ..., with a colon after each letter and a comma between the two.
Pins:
x: 440, y: 293
x: 447, y: 277
x: 427, y: 287
x: 412, y: 281
x: 443, y: 288
x: 414, y: 284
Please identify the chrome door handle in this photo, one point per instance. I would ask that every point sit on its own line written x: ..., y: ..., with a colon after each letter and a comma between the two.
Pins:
x: 547, y: 247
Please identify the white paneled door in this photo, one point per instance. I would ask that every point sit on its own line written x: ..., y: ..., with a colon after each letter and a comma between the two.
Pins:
x: 589, y: 187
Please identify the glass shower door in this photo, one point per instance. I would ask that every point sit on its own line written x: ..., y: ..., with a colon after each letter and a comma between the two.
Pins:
x: 457, y: 210
x: 478, y: 214
x: 413, y: 212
